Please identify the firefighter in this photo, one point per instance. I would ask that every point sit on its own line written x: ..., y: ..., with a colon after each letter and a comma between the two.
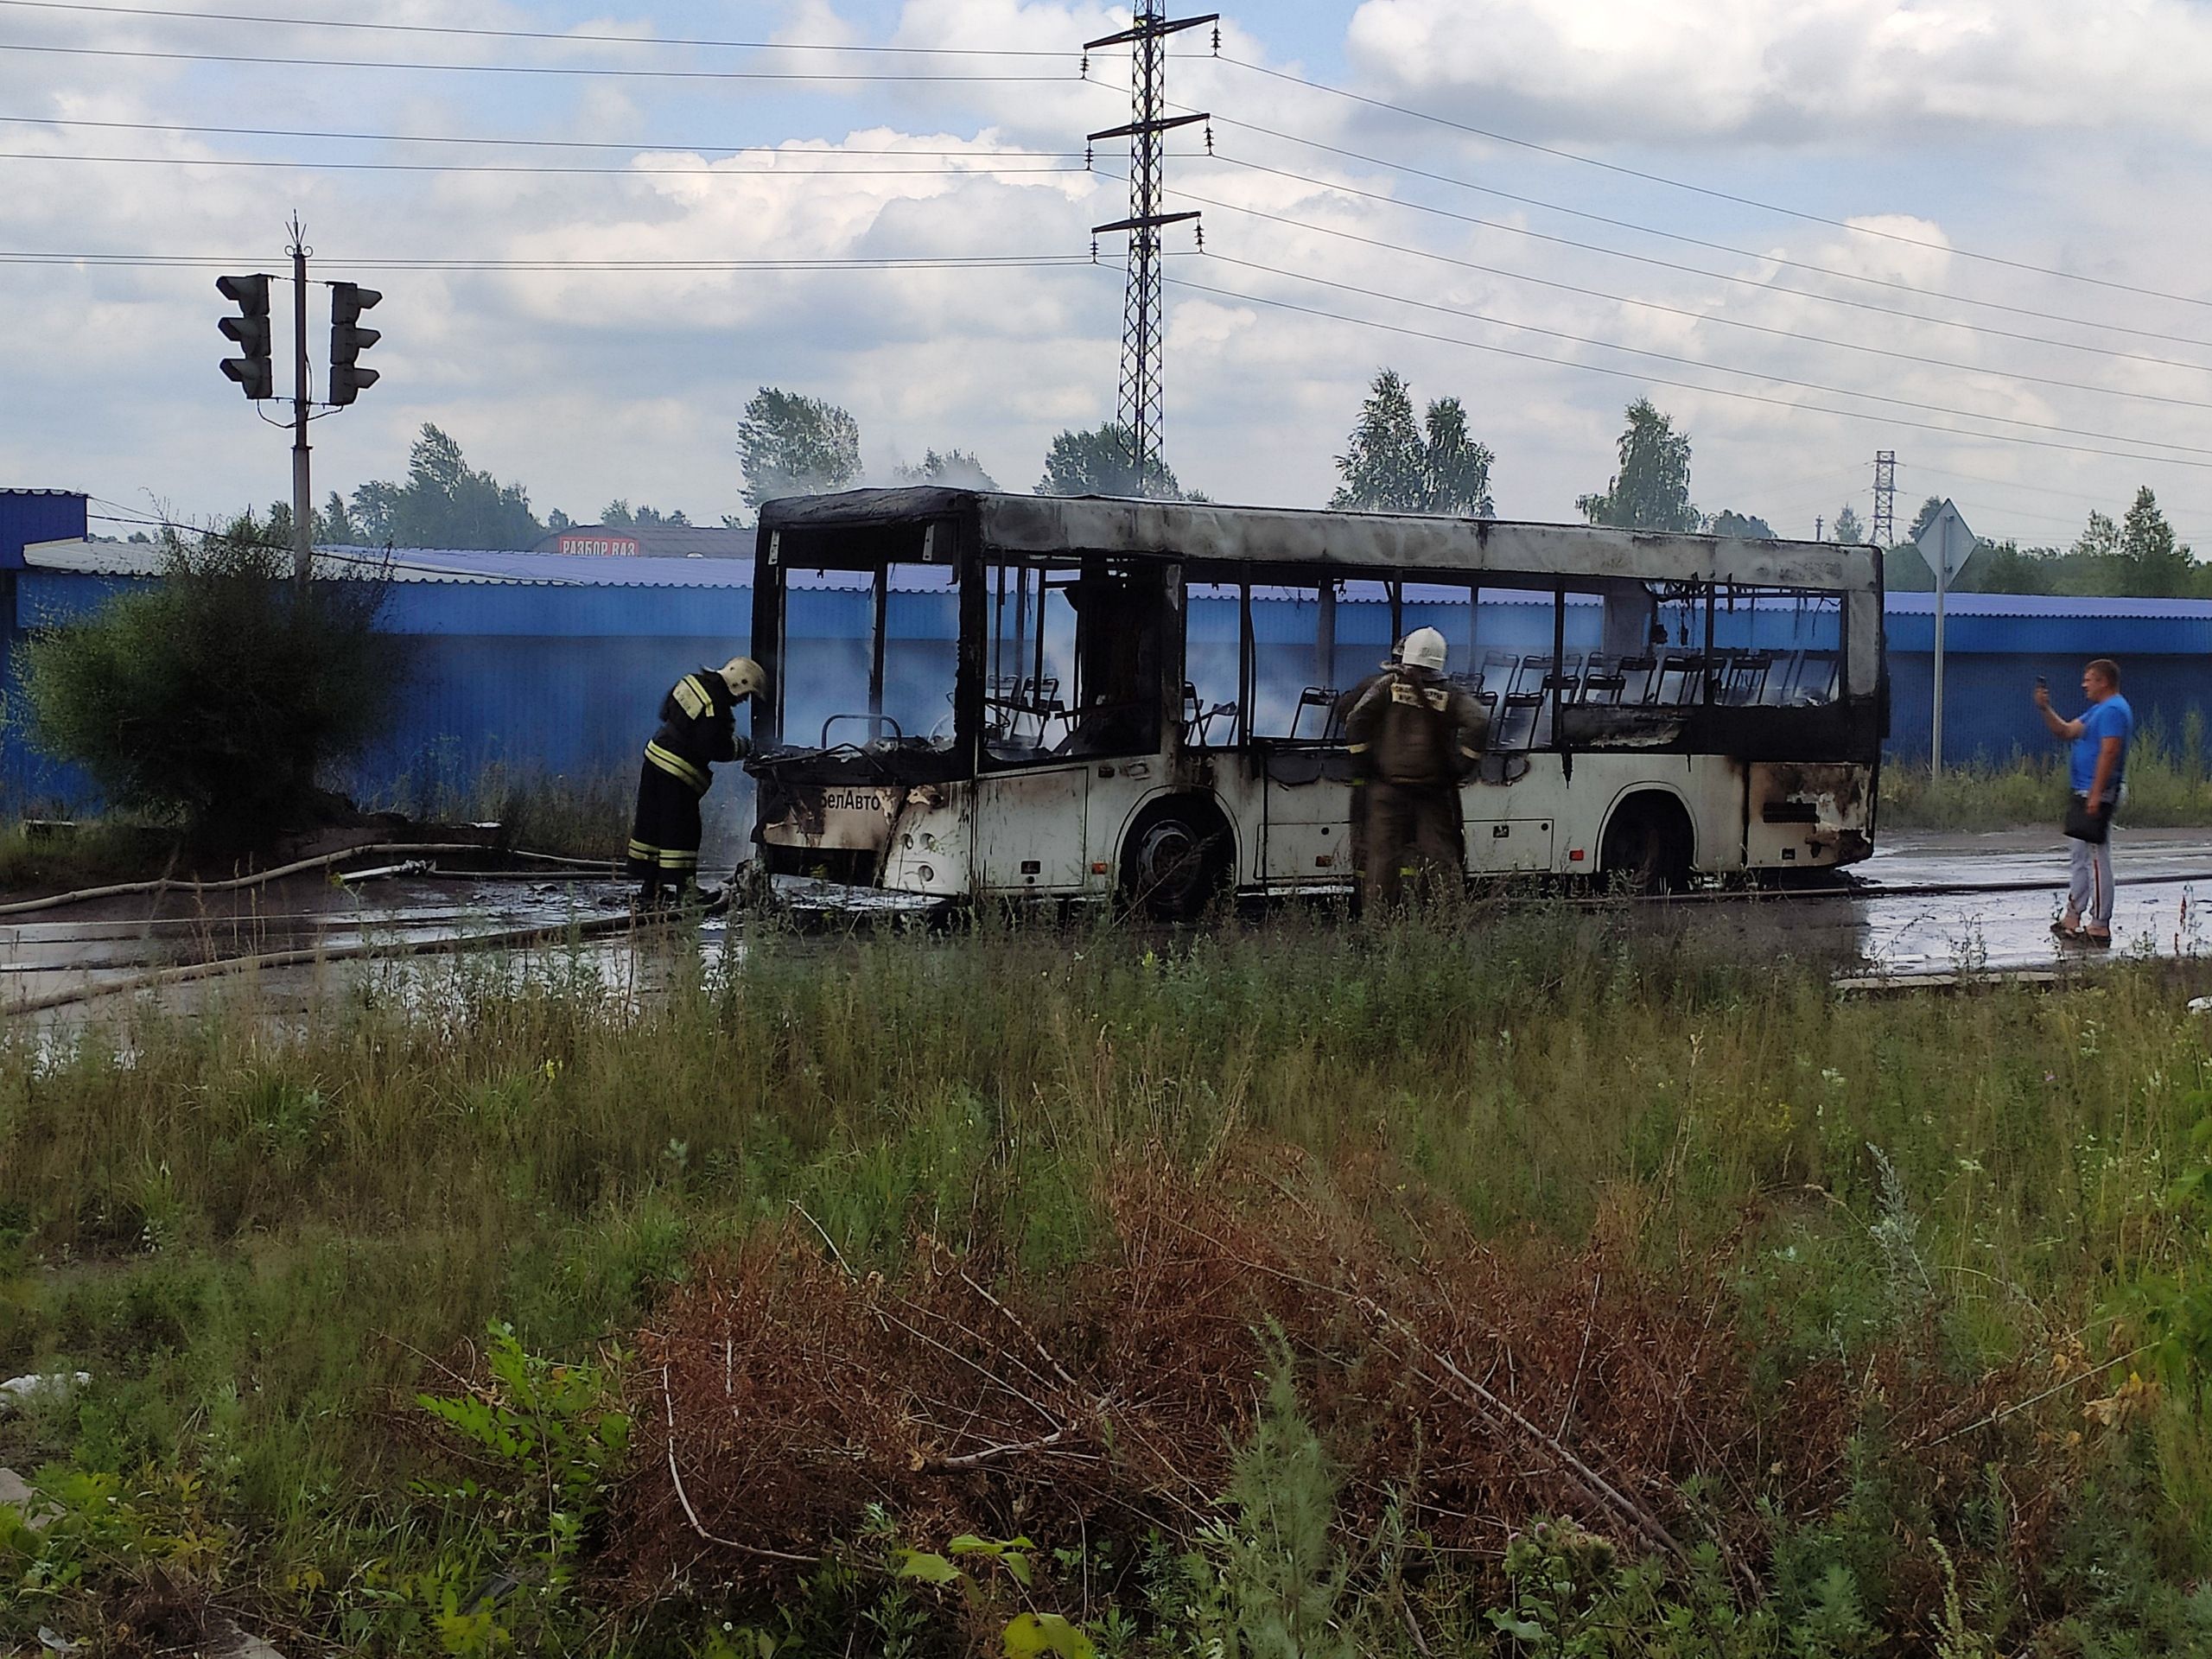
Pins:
x: 698, y: 727
x: 1414, y: 737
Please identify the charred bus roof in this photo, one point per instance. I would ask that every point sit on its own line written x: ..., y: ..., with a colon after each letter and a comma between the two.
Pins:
x: 1204, y: 532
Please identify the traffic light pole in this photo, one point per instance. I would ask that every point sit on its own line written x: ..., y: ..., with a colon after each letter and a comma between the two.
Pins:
x: 302, y: 494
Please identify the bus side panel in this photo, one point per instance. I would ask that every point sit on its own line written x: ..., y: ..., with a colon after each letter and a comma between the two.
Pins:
x: 1029, y: 831
x: 1307, y: 831
x: 1544, y: 821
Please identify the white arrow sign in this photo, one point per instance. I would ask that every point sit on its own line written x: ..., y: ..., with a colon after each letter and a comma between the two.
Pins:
x: 1947, y: 544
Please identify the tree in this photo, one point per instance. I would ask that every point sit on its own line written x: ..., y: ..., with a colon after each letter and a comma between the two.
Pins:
x: 1924, y: 517
x: 1848, y: 529
x: 445, y: 503
x: 220, y: 696
x: 618, y: 513
x: 790, y: 444
x: 1389, y: 466
x: 2006, y: 568
x: 1097, y: 463
x: 1383, y: 466
x: 336, y: 528
x: 1652, y: 489
x: 2153, y: 565
x: 1455, y: 471
x: 954, y: 468
x: 1743, y: 527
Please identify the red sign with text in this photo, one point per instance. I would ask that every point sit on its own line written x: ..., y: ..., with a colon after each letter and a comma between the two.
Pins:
x: 605, y: 547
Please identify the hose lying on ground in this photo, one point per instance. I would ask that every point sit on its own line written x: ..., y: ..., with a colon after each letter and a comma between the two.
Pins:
x: 322, y: 862
x: 303, y: 956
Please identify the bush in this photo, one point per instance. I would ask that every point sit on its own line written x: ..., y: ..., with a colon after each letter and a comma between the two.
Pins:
x: 217, y: 697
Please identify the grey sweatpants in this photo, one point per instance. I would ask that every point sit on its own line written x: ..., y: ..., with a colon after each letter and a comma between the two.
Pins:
x: 2089, y: 889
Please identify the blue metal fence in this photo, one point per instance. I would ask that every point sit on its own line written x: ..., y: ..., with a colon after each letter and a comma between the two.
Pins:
x: 557, y: 664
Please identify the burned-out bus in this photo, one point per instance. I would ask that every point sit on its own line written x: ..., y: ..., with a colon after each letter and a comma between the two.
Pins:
x: 980, y: 694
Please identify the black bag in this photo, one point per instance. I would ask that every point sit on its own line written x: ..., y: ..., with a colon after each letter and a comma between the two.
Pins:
x: 2084, y: 822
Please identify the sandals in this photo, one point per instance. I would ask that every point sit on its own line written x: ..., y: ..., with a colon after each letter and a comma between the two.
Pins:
x: 2081, y: 937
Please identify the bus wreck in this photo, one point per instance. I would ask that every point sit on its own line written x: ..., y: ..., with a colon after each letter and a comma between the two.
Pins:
x: 984, y: 695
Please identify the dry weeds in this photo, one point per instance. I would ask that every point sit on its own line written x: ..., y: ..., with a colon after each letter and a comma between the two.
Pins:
x: 779, y: 1393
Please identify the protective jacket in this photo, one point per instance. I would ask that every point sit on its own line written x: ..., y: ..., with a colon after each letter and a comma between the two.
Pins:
x: 1412, y: 726
x: 698, y: 727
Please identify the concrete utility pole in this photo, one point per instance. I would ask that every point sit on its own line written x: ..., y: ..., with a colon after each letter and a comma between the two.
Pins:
x: 1143, y: 360
x: 1947, y: 544
x: 254, y: 369
x: 302, y: 493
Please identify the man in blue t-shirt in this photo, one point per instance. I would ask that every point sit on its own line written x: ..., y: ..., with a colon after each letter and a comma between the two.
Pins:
x: 2099, y: 763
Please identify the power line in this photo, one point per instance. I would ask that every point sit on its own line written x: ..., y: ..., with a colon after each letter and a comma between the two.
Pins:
x: 1700, y: 242
x: 561, y: 37
x: 1707, y: 191
x: 225, y: 261
x: 633, y: 147
x: 637, y: 172
x: 525, y: 34
x: 1660, y: 380
x: 1698, y: 362
x: 2035, y: 489
x: 1695, y: 316
x: 1726, y: 276
x: 534, y: 68
x: 630, y: 145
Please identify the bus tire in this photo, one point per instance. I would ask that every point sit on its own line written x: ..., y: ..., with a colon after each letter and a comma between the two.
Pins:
x: 1177, y: 856
x: 1648, y: 845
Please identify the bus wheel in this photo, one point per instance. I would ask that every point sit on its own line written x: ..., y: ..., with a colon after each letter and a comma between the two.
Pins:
x: 1177, y: 856
x: 1648, y: 845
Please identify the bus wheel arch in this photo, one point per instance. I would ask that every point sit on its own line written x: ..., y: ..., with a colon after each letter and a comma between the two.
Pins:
x: 1178, y: 853
x: 1650, y: 841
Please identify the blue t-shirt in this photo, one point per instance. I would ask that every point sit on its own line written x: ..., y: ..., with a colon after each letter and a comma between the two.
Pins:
x: 2111, y: 718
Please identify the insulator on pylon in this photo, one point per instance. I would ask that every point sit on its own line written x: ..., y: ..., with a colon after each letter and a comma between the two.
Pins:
x: 1094, y: 250
x: 1209, y: 137
x: 1086, y: 158
x: 1085, y: 72
x: 1202, y: 238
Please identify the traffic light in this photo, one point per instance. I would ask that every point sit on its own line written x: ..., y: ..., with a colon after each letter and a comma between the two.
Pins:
x: 348, y: 340
x: 253, y: 370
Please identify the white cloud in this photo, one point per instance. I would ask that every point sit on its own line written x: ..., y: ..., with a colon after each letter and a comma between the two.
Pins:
x: 1792, y: 68
x: 589, y: 385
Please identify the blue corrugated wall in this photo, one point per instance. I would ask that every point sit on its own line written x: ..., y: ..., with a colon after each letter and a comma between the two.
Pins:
x: 566, y: 678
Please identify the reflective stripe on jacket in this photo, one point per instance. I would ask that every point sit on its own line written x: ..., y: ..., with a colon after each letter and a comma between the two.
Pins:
x: 698, y: 727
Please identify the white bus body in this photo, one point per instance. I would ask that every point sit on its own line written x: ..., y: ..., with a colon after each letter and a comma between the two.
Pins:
x: 1076, y: 697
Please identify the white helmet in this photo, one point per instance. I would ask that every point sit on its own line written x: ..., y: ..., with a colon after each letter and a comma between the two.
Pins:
x: 1424, y: 648
x: 744, y: 677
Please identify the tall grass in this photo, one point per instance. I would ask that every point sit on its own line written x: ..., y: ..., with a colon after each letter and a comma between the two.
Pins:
x: 583, y: 814
x: 253, y: 1232
x: 2168, y: 786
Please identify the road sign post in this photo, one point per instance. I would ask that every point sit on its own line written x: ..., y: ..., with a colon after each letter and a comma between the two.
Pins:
x: 1947, y: 544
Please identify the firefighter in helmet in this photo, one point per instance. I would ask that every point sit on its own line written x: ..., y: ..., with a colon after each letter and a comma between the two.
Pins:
x: 698, y: 727
x: 1415, y: 737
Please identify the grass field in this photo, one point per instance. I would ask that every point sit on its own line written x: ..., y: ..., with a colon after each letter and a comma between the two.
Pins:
x: 2167, y: 786
x: 1940, y: 1267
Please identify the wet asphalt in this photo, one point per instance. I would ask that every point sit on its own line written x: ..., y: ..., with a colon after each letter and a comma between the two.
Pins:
x: 1926, y: 904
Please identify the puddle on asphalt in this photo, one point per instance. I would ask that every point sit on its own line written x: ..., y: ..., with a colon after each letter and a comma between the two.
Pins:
x: 112, y: 949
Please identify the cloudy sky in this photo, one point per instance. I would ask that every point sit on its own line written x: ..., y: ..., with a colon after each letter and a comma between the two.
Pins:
x: 1972, y: 232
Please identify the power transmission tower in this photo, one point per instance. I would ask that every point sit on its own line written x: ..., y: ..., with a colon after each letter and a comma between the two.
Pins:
x: 1143, y: 360
x: 1885, y: 497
